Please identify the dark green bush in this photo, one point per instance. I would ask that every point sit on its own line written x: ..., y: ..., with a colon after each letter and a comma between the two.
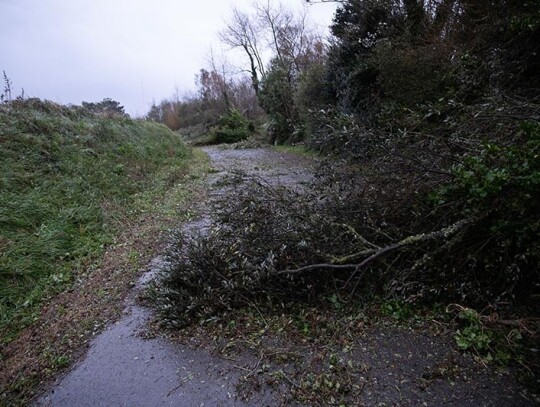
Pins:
x: 312, y: 92
x: 412, y: 75
x: 277, y: 99
x: 499, y: 187
x: 232, y: 127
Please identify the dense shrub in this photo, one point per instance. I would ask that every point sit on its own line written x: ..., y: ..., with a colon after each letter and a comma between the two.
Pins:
x: 413, y: 52
x: 411, y: 76
x: 499, y: 186
x: 106, y: 108
x: 277, y: 99
x: 474, y: 240
x: 311, y: 92
x: 232, y: 127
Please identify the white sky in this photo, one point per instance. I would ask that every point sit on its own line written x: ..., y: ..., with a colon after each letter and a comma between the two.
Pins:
x: 133, y: 51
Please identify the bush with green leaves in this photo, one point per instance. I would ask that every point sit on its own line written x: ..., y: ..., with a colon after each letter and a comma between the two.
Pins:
x: 311, y: 92
x: 277, y: 99
x: 232, y: 128
x: 107, y: 108
x: 413, y: 52
x: 410, y: 76
x: 480, y: 335
x: 499, y: 187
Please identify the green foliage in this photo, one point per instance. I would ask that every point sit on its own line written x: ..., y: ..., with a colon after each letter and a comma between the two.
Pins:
x: 107, y: 107
x: 277, y: 99
x: 498, y: 170
x: 487, y: 343
x: 65, y: 176
x: 411, y: 75
x: 311, y: 92
x: 232, y: 127
x: 358, y: 26
x: 420, y: 96
x: 398, y: 310
x: 388, y: 51
x: 500, y: 187
x: 474, y: 335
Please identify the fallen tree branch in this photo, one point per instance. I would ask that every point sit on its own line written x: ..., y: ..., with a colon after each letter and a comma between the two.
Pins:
x: 374, y: 254
x: 317, y: 267
x: 357, y: 235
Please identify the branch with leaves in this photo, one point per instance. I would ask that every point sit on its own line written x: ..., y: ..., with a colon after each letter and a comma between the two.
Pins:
x: 370, y: 255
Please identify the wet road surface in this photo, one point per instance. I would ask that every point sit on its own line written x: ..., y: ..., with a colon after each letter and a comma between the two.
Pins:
x: 123, y: 369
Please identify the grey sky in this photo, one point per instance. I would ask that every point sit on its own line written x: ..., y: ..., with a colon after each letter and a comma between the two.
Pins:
x: 133, y: 51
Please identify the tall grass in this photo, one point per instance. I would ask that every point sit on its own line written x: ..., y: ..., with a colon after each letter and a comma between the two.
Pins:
x: 65, y: 177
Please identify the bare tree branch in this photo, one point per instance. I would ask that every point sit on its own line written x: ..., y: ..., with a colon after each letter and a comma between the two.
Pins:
x: 242, y: 33
x: 374, y: 254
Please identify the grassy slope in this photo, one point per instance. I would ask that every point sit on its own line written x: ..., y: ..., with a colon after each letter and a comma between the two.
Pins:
x: 67, y: 181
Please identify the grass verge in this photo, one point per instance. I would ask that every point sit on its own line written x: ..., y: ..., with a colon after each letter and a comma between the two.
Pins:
x: 68, y: 180
x: 84, y: 200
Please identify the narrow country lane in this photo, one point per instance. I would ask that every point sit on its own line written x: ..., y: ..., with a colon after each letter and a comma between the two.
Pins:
x: 397, y: 365
x: 123, y: 369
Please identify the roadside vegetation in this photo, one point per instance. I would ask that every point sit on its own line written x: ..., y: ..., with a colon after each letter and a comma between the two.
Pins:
x: 85, y: 194
x: 428, y: 116
x: 68, y: 179
x: 424, y: 209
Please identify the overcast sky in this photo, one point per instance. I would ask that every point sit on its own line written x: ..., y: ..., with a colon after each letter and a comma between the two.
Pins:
x: 133, y: 51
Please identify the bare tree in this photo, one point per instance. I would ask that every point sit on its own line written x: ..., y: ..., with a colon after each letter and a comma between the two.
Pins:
x: 223, y: 73
x: 295, y: 42
x: 242, y: 32
x: 273, y: 20
x: 277, y: 28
